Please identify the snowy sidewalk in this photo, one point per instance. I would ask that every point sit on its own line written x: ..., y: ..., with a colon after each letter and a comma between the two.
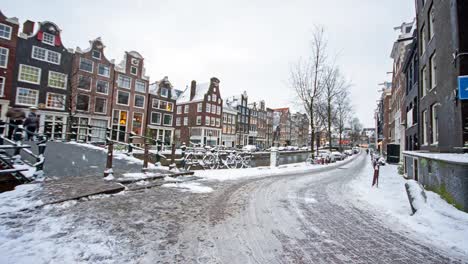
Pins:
x: 438, y: 222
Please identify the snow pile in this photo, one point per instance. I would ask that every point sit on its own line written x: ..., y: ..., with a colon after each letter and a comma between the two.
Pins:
x: 193, y: 187
x: 22, y: 197
x: 28, y: 173
x: 436, y: 221
x: 235, y: 174
x: 140, y: 175
x: 417, y: 194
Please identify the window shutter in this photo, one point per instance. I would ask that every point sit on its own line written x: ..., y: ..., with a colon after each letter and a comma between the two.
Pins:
x: 58, y: 42
x: 39, y: 35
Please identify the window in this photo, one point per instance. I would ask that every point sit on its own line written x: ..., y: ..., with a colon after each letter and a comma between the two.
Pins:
x: 140, y: 86
x: 431, y: 22
x: 162, y: 105
x: 26, y: 97
x: 100, y: 105
x: 213, y: 109
x: 133, y: 70
x: 199, y: 107
x: 213, y: 120
x: 179, y: 109
x: 208, y: 108
x: 48, y: 39
x: 423, y: 82
x: 155, y: 118
x: 2, y: 86
x: 86, y: 65
x: 137, y: 123
x: 186, y: 109
x: 219, y: 100
x: 123, y: 98
x: 423, y: 40
x: 198, y: 120
x: 218, y: 111
x: 57, y: 80
x: 169, y: 107
x: 433, y: 66
x: 4, y: 57
x: 55, y: 101
x: 139, y: 101
x: 218, y: 122
x: 155, y: 103
x: 434, y: 124
x: 46, y: 55
x: 96, y: 54
x: 103, y: 70
x: 84, y: 82
x: 214, y: 97
x: 164, y: 92
x: 209, y: 97
x: 5, y: 31
x: 177, y: 121
x: 124, y: 81
x: 424, y: 127
x: 82, y: 102
x: 207, y: 120
x: 185, y: 121
x: 167, y: 120
x: 102, y: 87
x: 29, y: 74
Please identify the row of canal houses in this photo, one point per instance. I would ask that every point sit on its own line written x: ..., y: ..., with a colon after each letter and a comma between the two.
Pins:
x: 77, y: 88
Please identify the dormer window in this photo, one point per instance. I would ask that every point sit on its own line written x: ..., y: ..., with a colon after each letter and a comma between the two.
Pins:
x: 133, y: 70
x: 164, y: 92
x: 48, y: 39
x: 96, y: 54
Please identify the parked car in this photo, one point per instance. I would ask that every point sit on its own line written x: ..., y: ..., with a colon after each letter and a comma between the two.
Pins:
x: 338, y: 156
x: 272, y: 149
x: 304, y: 148
x: 326, y: 154
x: 250, y: 148
x: 348, y: 152
x: 281, y: 148
x: 355, y: 150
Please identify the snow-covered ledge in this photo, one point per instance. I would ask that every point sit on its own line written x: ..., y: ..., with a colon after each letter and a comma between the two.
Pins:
x: 457, y: 158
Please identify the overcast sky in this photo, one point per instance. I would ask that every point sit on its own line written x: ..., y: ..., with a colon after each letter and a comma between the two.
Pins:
x: 248, y: 44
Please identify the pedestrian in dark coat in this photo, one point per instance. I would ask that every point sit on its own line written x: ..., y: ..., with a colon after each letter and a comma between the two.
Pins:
x: 376, y: 165
x: 31, y: 123
x: 16, y: 116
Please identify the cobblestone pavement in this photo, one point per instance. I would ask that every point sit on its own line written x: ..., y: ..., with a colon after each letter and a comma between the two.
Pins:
x: 283, y: 219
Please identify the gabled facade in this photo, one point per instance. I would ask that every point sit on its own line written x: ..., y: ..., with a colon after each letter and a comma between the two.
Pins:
x: 41, y: 76
x: 199, y: 113
x: 299, y: 129
x: 269, y: 127
x: 253, y: 124
x: 229, y: 125
x: 411, y: 71
x: 261, y: 125
x: 8, y: 41
x: 283, y: 126
x: 91, y: 92
x: 130, y: 98
x: 161, y: 111
x: 243, y: 118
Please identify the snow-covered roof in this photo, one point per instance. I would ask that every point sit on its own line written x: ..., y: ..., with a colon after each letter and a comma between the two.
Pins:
x: 200, y: 90
x: 229, y: 108
x: 176, y: 93
x: 153, y: 88
x: 135, y: 54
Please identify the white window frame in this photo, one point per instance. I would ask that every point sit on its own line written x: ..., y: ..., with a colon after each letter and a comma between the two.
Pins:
x: 106, y: 66
x: 63, y: 74
x: 208, y: 108
x: 117, y: 98
x: 218, y: 110
x: 213, y: 109
x: 424, y: 128
x: 89, y: 102
x: 199, y: 120
x: 160, y: 118
x: 172, y: 121
x: 56, y: 108
x: 186, y: 109
x: 45, y: 35
x: 433, y: 71
x: 134, y: 67
x: 46, y: 55
x: 17, y: 92
x: 140, y: 82
x: 2, y: 86
x: 92, y: 54
x: 166, y: 93
x: 424, y: 89
x: 152, y: 103
x: 92, y: 65
x: 108, y: 87
x: 179, y: 109
x: 431, y: 22
x: 178, y: 121
x: 199, y: 107
x: 142, y: 122
x: 7, y: 57
x: 434, y: 126
x: 207, y: 120
x: 105, y: 105
x: 11, y: 31
x: 124, y: 76
x: 186, y: 121
x: 26, y: 81
x: 422, y: 36
x: 134, y: 100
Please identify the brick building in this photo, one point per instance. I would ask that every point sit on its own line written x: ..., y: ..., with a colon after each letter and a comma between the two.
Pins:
x: 91, y: 90
x: 229, y: 125
x: 283, y: 126
x: 243, y: 118
x: 199, y: 113
x: 161, y: 111
x: 129, y: 98
x: 8, y: 41
x: 299, y: 129
x: 269, y: 128
x: 42, y: 70
x: 253, y: 124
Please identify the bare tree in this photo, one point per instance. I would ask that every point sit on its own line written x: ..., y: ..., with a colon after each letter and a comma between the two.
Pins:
x: 306, y: 76
x: 343, y: 114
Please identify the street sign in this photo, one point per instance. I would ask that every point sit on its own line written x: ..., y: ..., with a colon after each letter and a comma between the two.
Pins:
x: 463, y: 87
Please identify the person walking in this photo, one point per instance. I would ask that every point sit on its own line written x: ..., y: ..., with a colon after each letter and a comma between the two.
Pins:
x: 376, y: 165
x: 16, y: 116
x: 31, y: 123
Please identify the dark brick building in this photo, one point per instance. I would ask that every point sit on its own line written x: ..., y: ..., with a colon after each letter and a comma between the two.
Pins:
x: 161, y: 111
x: 411, y: 70
x: 42, y: 68
x: 8, y: 41
x: 199, y: 113
x: 91, y: 92
x: 243, y: 118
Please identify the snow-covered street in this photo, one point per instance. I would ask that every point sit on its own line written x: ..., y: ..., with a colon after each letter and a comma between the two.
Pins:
x: 326, y: 214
